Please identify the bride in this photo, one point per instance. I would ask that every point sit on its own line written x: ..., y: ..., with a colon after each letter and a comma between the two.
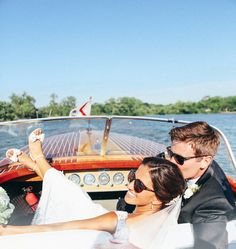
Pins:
x: 154, y: 189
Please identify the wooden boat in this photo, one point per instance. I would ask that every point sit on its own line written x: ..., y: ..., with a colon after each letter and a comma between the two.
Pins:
x: 95, y: 152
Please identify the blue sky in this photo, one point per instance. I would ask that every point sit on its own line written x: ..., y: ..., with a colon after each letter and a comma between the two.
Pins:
x: 159, y: 51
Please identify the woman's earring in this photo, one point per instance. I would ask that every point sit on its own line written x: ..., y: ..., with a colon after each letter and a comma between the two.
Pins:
x: 152, y: 205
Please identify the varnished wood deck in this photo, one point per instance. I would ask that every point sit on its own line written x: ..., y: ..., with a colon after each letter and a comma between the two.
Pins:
x: 78, y: 151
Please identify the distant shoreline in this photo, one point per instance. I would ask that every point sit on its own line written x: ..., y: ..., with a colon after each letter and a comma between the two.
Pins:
x: 227, y: 112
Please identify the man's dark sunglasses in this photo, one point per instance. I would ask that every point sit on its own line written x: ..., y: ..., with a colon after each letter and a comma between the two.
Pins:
x: 138, y: 184
x: 178, y: 158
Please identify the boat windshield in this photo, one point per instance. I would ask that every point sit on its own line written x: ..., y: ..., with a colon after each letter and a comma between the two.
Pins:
x: 99, y: 136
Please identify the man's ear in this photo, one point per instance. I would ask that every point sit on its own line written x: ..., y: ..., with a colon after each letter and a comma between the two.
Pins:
x: 205, y: 162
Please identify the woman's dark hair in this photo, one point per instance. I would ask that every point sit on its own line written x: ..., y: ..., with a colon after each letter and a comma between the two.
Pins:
x: 167, y: 179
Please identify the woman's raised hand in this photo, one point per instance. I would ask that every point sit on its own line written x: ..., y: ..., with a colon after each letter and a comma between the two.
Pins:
x: 18, y: 156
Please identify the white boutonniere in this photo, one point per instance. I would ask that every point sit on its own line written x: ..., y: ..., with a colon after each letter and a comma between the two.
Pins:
x: 191, y: 190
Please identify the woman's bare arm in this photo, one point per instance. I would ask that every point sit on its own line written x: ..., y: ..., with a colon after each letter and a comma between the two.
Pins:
x: 106, y: 222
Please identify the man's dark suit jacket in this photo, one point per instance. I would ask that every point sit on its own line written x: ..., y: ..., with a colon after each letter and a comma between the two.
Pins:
x: 209, y: 209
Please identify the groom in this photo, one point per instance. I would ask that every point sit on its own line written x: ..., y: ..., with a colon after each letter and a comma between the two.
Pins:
x: 208, y: 200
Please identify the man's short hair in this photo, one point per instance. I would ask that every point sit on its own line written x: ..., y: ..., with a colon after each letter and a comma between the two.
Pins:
x: 203, y: 138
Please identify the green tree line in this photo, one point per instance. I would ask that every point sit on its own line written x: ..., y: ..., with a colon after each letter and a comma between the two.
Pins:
x: 23, y: 107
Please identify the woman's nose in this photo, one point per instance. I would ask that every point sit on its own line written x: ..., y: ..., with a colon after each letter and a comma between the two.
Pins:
x: 130, y: 185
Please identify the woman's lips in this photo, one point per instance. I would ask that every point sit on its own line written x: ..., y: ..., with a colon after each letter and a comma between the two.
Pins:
x: 130, y: 194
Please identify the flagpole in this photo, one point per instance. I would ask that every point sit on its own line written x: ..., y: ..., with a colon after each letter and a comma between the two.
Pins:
x: 88, y: 128
x: 89, y: 120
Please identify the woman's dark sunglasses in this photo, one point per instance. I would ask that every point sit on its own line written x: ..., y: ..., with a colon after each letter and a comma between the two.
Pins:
x: 178, y: 158
x: 138, y: 184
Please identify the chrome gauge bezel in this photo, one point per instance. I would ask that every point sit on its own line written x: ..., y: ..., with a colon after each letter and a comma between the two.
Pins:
x: 101, y: 180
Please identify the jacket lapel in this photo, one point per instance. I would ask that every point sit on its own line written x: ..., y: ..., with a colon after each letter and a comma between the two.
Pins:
x: 209, y: 172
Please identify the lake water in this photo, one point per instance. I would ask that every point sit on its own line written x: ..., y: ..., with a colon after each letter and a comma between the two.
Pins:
x: 15, y: 136
x: 225, y: 122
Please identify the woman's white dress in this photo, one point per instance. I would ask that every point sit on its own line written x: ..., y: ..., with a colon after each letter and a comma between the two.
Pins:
x: 63, y: 200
